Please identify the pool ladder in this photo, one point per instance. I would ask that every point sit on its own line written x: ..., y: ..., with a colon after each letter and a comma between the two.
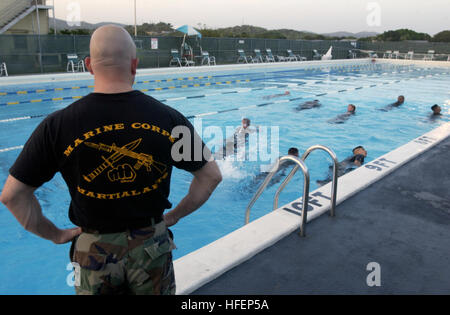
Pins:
x: 300, y: 164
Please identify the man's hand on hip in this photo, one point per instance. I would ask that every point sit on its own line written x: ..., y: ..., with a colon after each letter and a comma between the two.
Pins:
x: 65, y: 236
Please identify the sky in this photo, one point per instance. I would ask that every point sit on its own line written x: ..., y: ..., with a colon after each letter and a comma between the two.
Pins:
x: 318, y: 16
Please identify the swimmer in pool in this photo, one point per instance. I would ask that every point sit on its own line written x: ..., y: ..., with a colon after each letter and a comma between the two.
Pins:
x: 268, y: 97
x: 349, y: 164
x: 239, y: 138
x: 400, y: 101
x: 436, y: 112
x: 342, y: 118
x: 308, y: 105
x: 280, y: 172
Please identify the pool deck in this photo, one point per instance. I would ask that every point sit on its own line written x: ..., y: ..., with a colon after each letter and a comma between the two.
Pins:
x: 401, y: 222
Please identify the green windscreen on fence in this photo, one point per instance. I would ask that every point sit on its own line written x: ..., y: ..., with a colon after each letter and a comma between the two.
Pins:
x: 48, y: 53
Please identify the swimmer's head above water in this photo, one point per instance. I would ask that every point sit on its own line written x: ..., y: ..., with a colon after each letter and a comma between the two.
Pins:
x: 351, y: 108
x: 245, y: 123
x: 400, y: 100
x: 293, y: 151
x: 359, y: 153
x: 436, y: 109
x: 359, y: 150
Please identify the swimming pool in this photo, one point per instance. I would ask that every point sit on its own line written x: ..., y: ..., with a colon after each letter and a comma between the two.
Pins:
x: 222, y: 98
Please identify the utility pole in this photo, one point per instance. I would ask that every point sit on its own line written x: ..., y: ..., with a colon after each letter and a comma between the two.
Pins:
x: 135, y: 22
x: 39, y: 36
x: 54, y: 17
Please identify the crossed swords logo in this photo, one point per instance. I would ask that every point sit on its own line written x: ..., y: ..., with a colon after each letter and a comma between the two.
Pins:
x: 119, y: 153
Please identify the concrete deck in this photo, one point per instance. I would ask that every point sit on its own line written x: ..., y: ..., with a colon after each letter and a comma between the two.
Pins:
x: 401, y: 222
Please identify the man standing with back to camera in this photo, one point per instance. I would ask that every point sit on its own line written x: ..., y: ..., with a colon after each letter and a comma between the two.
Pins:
x: 113, y: 149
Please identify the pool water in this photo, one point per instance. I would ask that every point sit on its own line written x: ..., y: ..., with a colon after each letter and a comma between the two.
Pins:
x: 30, y: 265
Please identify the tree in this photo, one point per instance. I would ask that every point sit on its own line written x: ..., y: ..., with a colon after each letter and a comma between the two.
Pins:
x: 78, y: 31
x: 402, y: 34
x: 443, y: 36
x: 151, y: 29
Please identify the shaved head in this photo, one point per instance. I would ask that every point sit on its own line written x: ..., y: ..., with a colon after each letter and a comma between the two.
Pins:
x: 112, y: 57
x: 112, y: 46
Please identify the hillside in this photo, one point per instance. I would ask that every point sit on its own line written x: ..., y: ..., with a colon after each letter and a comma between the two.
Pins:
x: 348, y: 34
x: 166, y: 29
x: 62, y: 25
x: 250, y: 31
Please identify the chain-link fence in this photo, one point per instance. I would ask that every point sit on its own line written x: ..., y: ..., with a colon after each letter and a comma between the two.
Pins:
x: 48, y: 53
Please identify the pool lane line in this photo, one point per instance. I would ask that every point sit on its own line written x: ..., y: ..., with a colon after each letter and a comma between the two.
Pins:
x: 161, y: 100
x: 243, y: 91
x: 60, y: 89
x: 22, y: 118
x: 24, y: 92
x: 54, y: 99
x: 350, y: 78
x: 11, y: 148
x: 294, y: 99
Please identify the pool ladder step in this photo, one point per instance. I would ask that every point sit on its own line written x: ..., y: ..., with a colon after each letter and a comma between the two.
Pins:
x: 300, y: 164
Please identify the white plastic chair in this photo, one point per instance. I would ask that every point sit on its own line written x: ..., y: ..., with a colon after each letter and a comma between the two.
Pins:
x: 409, y: 55
x: 316, y: 55
x: 3, y: 70
x: 387, y: 54
x: 258, y: 56
x: 243, y: 56
x: 429, y: 55
x: 291, y: 56
x: 372, y: 54
x: 179, y: 61
x: 74, y: 64
x: 269, y: 56
x: 351, y: 54
x: 208, y: 59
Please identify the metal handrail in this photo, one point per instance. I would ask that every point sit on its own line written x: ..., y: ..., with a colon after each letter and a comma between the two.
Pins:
x: 295, y: 169
x: 335, y: 173
x: 300, y: 164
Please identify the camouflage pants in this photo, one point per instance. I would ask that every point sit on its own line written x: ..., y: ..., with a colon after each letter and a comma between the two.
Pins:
x: 132, y: 262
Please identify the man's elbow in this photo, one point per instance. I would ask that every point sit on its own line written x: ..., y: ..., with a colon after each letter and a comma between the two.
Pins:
x: 4, y: 199
x: 10, y: 199
x: 218, y: 178
x: 215, y: 176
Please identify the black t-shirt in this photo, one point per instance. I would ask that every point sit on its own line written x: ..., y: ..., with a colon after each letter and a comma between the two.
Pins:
x: 114, y: 153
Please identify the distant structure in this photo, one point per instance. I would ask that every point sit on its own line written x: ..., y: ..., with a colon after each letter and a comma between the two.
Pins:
x: 24, y: 17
